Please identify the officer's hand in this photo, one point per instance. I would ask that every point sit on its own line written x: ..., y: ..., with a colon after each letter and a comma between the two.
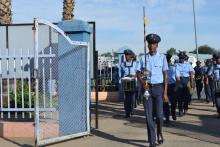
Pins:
x: 145, y: 87
x: 165, y: 98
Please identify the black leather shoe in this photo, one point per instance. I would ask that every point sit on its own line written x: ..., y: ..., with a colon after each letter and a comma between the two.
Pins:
x: 160, y: 139
x: 127, y: 116
x: 180, y: 113
x: 184, y: 112
x: 152, y: 145
x: 167, y: 122
x: 174, y: 117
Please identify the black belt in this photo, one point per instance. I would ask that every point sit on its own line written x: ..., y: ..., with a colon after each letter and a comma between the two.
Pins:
x: 184, y: 78
x: 155, y: 85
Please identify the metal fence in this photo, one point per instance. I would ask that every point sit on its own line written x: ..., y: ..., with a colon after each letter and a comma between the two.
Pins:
x: 17, y: 64
x: 16, y: 84
x: 107, y: 75
x: 47, y: 83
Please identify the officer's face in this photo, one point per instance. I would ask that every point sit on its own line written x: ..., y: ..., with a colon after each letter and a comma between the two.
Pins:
x: 218, y: 60
x: 129, y: 57
x: 181, y: 60
x: 153, y: 47
x: 207, y: 63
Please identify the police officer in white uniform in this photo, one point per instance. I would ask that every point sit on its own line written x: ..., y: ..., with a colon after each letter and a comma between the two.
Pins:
x: 173, y: 82
x: 215, y: 75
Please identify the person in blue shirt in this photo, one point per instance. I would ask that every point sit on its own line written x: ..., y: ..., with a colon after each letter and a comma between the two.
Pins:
x: 173, y: 81
x: 186, y: 75
x: 191, y: 89
x: 206, y: 79
x: 129, y: 69
x: 214, y: 73
x: 156, y: 71
x: 210, y: 79
x: 198, y: 79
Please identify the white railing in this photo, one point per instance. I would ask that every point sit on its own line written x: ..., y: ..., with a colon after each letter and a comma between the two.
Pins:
x: 17, y: 81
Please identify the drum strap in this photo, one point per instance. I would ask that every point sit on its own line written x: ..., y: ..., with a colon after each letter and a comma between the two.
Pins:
x: 129, y: 67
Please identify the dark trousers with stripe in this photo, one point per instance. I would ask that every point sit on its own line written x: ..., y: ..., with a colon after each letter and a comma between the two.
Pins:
x: 199, y: 87
x: 183, y: 94
x: 129, y: 102
x: 208, y: 92
x: 173, y: 102
x: 211, y: 85
x: 217, y: 102
x: 154, y: 103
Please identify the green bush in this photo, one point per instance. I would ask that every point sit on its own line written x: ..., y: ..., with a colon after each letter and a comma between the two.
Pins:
x: 19, y: 95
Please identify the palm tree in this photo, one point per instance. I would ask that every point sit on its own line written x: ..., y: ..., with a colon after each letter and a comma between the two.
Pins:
x: 5, y: 12
x: 68, y: 9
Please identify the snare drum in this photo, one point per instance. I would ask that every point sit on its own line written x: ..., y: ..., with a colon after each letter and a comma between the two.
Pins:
x: 217, y: 86
x: 128, y: 83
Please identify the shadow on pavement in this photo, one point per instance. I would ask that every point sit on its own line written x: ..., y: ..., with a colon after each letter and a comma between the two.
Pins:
x: 204, y: 128
x: 202, y: 109
x: 116, y: 139
x: 208, y: 130
x: 17, y: 143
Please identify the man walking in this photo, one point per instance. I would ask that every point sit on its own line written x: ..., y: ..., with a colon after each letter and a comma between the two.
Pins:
x: 157, y: 67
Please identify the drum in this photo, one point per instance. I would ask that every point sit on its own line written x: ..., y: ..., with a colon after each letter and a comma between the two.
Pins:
x: 128, y: 83
x: 216, y: 86
x: 190, y: 89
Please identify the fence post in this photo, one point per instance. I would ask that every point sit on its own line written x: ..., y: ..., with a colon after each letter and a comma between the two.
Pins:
x: 36, y: 102
x: 96, y: 90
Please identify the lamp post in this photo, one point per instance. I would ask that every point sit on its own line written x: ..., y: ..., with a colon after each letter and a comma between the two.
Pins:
x: 194, y: 16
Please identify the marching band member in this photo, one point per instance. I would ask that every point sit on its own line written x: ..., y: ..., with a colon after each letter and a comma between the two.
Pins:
x: 186, y: 75
x: 128, y: 70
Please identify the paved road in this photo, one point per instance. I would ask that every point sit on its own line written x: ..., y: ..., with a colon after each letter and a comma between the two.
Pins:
x: 199, y: 128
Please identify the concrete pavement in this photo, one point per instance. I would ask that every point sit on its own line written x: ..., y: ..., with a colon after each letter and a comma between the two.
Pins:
x: 199, y: 128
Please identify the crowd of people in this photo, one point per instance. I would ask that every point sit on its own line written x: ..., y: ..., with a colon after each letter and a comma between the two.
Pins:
x: 165, y: 87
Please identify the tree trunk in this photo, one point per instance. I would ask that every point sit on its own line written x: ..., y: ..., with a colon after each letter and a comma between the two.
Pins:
x: 5, y: 12
x: 68, y: 9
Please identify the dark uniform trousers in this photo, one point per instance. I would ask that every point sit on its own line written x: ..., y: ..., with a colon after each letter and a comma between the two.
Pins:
x: 129, y: 102
x: 183, y: 94
x: 199, y: 87
x: 211, y: 85
x: 154, y: 102
x: 173, y: 101
x: 217, y: 102
x: 208, y: 92
x: 140, y: 91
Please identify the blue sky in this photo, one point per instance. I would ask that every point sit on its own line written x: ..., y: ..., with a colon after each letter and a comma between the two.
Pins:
x: 119, y: 22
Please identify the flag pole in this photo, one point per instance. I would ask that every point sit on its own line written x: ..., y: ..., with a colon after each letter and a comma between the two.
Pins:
x: 145, y: 47
x: 194, y: 16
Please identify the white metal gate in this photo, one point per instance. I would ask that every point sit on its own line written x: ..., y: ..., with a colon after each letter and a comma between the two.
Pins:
x: 62, y: 84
